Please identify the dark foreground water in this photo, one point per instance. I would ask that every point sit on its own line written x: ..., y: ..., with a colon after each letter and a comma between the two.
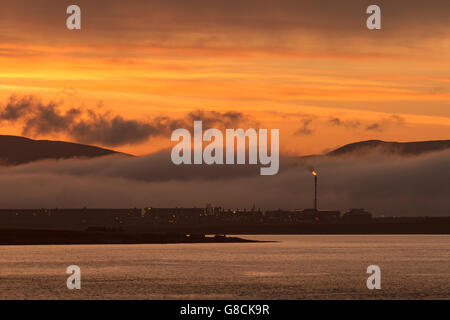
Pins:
x: 296, y: 267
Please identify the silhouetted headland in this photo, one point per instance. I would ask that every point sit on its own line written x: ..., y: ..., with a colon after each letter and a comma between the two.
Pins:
x: 104, y: 236
x: 15, y: 150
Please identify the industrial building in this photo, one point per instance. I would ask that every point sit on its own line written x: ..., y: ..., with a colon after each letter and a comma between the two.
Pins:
x: 151, y: 218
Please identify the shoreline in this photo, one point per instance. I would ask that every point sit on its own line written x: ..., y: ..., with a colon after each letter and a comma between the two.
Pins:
x: 68, y: 237
x: 19, y: 237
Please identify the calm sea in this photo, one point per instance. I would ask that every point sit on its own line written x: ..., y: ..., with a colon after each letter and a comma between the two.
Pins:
x: 295, y: 267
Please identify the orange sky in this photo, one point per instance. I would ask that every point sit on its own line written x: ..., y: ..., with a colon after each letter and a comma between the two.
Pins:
x: 310, y: 68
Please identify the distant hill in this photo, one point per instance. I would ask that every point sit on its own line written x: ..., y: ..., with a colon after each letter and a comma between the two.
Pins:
x: 18, y: 150
x: 364, y: 148
x: 402, y: 148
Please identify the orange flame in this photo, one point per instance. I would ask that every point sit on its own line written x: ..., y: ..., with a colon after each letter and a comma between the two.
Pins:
x: 314, y: 173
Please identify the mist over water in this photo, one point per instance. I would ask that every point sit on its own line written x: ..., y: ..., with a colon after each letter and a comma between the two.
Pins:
x: 382, y: 183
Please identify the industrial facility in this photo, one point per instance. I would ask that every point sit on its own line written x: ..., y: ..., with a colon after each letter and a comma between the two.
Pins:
x: 151, y: 218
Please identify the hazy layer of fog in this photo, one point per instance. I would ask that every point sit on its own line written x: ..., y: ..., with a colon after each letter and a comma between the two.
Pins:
x: 389, y: 185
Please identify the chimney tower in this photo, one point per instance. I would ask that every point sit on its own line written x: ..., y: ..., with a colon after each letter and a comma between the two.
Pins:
x: 315, y: 190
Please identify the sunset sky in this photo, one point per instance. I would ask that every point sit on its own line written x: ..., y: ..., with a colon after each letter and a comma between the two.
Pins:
x: 310, y: 68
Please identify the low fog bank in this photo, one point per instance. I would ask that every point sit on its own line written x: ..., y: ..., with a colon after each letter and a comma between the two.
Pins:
x: 384, y: 184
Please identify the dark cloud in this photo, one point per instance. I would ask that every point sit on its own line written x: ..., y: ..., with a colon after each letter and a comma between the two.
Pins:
x: 212, y: 118
x: 47, y: 119
x: 337, y: 122
x: 89, y: 126
x: 114, y: 131
x: 374, y: 127
x: 379, y: 125
x: 305, y: 128
x: 397, y: 118
x: 16, y: 107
